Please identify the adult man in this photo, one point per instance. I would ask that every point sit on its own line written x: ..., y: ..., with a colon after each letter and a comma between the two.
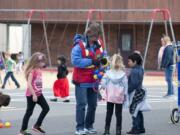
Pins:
x: 85, y: 55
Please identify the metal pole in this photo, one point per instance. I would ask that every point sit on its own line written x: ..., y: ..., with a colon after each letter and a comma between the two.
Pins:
x: 47, y: 44
x: 87, y: 24
x: 31, y: 12
x: 166, y: 29
x: 147, y: 43
x: 88, y: 19
x: 172, y: 30
x: 52, y: 33
x: 63, y: 34
x: 103, y: 35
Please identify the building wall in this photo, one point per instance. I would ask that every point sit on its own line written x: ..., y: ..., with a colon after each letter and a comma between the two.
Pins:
x: 172, y: 5
x: 61, y: 44
x: 3, y: 35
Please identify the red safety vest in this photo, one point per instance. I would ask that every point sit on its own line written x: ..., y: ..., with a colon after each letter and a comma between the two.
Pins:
x: 85, y: 75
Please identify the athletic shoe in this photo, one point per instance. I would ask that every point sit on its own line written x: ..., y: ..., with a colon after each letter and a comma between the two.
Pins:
x: 24, y: 133
x: 80, y: 132
x: 66, y: 101
x: 38, y: 129
x: 90, y: 131
x: 135, y: 132
x: 53, y: 99
x: 168, y: 96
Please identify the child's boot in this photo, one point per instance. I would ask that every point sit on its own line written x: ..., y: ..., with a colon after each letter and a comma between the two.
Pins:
x: 106, y: 132
x: 118, y: 130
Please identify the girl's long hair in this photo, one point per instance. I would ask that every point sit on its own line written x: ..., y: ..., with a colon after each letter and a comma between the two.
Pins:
x: 33, y: 62
x: 117, y: 62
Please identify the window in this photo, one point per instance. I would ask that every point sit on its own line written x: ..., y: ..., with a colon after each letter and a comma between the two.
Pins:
x: 15, y: 38
x: 19, y: 39
x: 126, y: 42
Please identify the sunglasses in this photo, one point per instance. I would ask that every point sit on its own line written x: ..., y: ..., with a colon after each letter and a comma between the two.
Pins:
x: 41, y: 58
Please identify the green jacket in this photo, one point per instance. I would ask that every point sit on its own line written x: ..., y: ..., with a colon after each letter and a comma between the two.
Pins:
x: 10, y: 65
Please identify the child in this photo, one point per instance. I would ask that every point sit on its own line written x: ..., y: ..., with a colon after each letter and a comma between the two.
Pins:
x: 1, y: 62
x: 10, y: 64
x: 20, y: 63
x: 61, y: 86
x: 33, y: 75
x: 116, y: 85
x: 1, y: 65
x: 136, y: 92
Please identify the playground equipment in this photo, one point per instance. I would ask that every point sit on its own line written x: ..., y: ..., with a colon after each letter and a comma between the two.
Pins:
x: 99, y: 12
x: 167, y: 18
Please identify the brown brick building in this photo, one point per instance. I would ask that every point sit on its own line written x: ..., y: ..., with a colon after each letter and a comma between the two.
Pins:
x: 124, y: 31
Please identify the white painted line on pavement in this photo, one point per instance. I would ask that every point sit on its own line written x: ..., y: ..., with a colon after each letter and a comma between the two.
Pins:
x: 15, y: 109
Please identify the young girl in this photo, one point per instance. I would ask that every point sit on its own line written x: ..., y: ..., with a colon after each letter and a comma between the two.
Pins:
x: 61, y: 86
x: 34, y: 94
x: 10, y: 64
x: 115, y: 84
x: 136, y: 92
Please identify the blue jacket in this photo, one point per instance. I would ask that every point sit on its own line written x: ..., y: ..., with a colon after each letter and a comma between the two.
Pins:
x: 168, y: 57
x: 135, y: 78
x: 78, y: 61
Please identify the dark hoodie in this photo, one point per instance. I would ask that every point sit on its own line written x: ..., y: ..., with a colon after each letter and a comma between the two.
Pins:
x: 62, y: 71
x: 168, y: 57
x: 135, y: 79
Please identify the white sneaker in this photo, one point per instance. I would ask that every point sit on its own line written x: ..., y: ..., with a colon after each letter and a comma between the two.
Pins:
x: 90, y: 131
x: 169, y: 96
x: 80, y: 132
x: 24, y: 133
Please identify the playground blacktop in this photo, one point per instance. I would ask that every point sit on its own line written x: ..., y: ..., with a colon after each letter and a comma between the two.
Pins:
x: 155, y: 78
x: 61, y: 118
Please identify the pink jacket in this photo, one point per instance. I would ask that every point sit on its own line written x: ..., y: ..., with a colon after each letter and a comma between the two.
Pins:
x: 115, y: 84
